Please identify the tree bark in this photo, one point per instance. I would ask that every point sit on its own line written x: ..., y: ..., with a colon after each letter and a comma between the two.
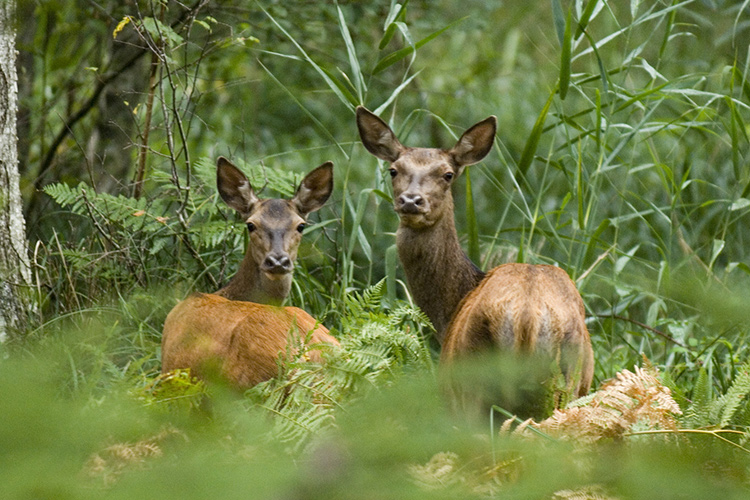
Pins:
x: 15, y: 274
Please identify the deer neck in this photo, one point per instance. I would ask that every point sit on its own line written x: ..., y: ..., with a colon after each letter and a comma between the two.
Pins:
x: 250, y: 284
x: 438, y: 271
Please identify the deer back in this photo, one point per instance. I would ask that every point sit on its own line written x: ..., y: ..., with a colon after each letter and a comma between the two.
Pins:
x: 241, y: 342
x: 525, y: 308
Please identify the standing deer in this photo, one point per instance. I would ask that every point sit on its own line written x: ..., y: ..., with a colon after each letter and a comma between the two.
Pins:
x: 512, y: 309
x: 239, y: 331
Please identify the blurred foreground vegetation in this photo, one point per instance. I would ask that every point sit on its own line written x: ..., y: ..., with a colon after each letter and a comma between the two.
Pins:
x: 621, y: 156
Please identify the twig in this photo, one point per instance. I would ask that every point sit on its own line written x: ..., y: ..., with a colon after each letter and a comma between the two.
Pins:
x: 67, y: 127
x: 142, y: 152
x: 644, y: 326
x: 714, y: 433
x: 593, y: 266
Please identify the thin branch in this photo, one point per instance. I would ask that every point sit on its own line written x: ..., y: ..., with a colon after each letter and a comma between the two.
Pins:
x: 644, y: 326
x: 143, y: 150
x: 714, y: 433
x: 593, y: 266
x: 71, y: 121
x: 67, y: 127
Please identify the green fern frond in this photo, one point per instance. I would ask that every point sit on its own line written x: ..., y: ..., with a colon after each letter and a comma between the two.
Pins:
x: 698, y: 414
x: 360, y: 304
x: 729, y: 403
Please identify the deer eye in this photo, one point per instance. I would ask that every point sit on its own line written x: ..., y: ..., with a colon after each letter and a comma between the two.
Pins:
x: 393, y: 172
x: 301, y: 227
x: 251, y: 227
x: 448, y: 176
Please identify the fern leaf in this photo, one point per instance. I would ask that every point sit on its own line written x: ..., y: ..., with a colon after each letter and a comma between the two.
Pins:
x: 729, y: 402
x: 698, y: 414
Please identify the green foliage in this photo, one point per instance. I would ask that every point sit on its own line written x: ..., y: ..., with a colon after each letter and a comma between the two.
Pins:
x: 377, y: 347
x: 729, y: 409
x: 177, y: 390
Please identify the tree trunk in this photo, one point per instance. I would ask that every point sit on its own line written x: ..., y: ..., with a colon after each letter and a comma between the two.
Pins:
x: 14, y: 260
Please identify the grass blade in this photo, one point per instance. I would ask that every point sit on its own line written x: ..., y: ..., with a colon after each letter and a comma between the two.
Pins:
x: 359, y: 81
x: 306, y: 111
x: 471, y: 220
x: 396, y: 56
x: 391, y: 260
x: 335, y: 88
x: 357, y: 233
x: 583, y: 22
x: 565, y: 58
x: 345, y: 91
x: 559, y: 19
x: 396, y: 13
x: 532, y: 142
x: 395, y: 93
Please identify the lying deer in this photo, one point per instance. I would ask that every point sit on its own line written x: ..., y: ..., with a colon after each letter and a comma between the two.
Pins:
x: 514, y: 308
x: 240, y: 330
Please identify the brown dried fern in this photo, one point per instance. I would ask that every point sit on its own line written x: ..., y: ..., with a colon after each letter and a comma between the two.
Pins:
x: 591, y: 492
x: 109, y: 463
x: 630, y: 399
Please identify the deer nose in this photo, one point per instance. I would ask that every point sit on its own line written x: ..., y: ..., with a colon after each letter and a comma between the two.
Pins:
x: 410, y: 203
x: 277, y: 264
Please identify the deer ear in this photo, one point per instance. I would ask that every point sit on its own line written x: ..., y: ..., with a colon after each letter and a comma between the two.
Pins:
x: 377, y: 136
x: 475, y: 143
x: 314, y: 189
x: 234, y: 187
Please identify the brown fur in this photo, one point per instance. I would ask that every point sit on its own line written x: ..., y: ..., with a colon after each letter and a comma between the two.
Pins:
x: 235, y: 333
x: 515, y: 308
x: 240, y: 341
x: 524, y: 308
x: 421, y: 254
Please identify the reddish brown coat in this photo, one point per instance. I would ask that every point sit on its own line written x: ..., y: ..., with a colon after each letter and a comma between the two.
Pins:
x: 525, y: 309
x: 241, y: 341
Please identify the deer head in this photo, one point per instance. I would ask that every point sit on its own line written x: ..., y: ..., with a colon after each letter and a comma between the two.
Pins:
x: 275, y: 227
x: 422, y: 177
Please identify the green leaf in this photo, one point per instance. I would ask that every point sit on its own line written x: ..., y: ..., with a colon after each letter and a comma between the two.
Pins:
x: 625, y: 259
x: 307, y: 112
x: 395, y: 93
x: 331, y: 84
x: 559, y: 19
x: 359, y: 81
x: 391, y: 260
x: 471, y: 220
x: 357, y: 233
x: 736, y: 393
x: 698, y: 414
x: 396, y: 13
x: 583, y: 22
x: 739, y: 204
x: 396, y: 56
x: 565, y: 58
x: 160, y: 31
x: 345, y: 91
x: 593, y: 240
x: 718, y: 246
x: 532, y: 142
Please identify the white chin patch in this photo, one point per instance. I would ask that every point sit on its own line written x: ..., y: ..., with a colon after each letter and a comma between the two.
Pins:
x: 275, y: 276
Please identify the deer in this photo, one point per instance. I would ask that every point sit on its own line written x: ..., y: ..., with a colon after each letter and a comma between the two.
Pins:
x: 239, y: 332
x: 521, y: 311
